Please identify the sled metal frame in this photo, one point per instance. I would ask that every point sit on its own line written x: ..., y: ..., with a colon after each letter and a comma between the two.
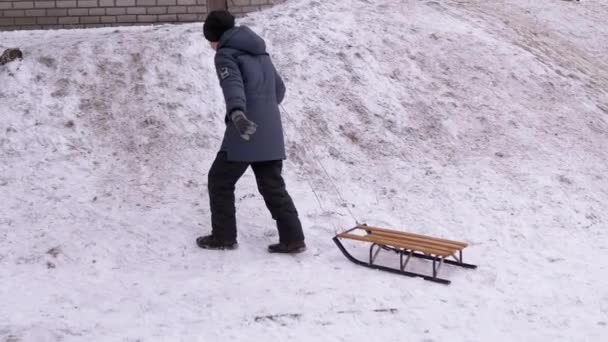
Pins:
x: 407, y: 245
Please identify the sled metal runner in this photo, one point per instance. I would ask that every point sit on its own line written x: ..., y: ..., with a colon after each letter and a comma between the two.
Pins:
x: 408, y: 246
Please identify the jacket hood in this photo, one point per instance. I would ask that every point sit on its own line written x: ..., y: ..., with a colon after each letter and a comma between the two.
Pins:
x: 242, y: 38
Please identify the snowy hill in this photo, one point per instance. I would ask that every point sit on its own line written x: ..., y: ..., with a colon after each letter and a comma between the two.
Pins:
x: 482, y: 121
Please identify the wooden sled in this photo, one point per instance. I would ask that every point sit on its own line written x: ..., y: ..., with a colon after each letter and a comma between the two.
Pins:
x: 407, y: 245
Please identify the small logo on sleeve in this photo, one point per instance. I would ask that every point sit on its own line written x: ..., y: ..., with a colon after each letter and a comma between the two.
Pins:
x: 224, y: 73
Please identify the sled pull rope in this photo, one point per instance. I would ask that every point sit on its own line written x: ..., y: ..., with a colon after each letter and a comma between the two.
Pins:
x: 322, y: 167
x: 312, y: 188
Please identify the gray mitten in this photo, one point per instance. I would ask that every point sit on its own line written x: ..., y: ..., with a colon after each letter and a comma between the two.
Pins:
x: 245, y: 126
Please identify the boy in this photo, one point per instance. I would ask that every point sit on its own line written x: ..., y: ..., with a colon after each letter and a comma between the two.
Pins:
x: 253, y: 91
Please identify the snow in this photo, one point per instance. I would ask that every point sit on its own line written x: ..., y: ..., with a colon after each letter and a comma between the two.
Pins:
x: 482, y: 121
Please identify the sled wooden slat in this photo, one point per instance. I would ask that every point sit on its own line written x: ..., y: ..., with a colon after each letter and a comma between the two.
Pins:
x: 404, y: 244
x: 416, y: 241
x: 424, y: 237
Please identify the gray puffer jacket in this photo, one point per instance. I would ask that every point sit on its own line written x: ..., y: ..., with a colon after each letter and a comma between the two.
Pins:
x: 250, y: 83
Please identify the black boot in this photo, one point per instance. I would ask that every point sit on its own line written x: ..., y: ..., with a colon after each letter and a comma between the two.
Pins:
x: 211, y: 242
x: 290, y: 248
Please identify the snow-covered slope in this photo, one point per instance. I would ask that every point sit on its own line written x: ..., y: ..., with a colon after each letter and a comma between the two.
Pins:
x: 483, y: 121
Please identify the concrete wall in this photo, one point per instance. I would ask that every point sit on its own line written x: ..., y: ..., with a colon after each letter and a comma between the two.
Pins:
x: 43, y: 14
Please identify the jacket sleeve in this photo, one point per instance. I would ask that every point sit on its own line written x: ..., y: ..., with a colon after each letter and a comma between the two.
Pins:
x: 280, y: 87
x: 231, y: 82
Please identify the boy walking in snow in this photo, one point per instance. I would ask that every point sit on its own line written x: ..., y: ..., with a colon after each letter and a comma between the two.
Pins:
x: 253, y: 91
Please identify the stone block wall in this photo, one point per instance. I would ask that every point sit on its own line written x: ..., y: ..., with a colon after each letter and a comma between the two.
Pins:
x: 49, y: 14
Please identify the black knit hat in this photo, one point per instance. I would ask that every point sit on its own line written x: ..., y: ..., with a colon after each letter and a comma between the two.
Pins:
x: 216, y: 24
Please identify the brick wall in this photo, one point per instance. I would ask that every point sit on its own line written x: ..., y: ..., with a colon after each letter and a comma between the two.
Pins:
x: 42, y: 14
x: 245, y: 6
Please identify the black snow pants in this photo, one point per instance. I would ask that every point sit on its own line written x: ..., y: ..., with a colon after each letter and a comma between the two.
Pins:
x: 222, y: 179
